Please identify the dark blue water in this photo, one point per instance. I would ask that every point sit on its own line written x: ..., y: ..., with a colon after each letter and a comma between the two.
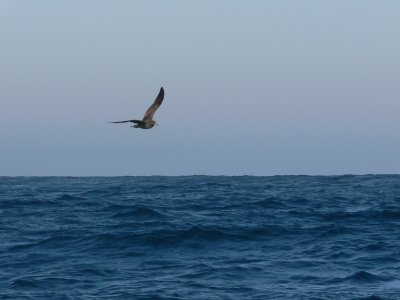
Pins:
x: 200, y: 237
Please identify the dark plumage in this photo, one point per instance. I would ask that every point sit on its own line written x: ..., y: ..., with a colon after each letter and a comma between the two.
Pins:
x: 147, y: 122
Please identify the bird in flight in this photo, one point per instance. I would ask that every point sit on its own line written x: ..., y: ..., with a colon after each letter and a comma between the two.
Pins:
x: 147, y: 122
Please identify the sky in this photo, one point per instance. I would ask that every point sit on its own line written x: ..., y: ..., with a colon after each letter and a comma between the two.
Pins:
x: 251, y: 87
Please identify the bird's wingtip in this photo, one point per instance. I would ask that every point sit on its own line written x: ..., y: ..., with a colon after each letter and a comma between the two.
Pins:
x: 161, y: 93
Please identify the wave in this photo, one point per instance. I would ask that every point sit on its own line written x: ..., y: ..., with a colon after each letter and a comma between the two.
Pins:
x: 202, y: 234
x: 51, y: 242
x: 270, y: 202
x: 373, y: 297
x: 139, y: 211
x: 375, y: 215
x: 360, y: 277
x: 68, y: 197
x: 154, y: 238
x: 41, y: 282
x: 89, y: 270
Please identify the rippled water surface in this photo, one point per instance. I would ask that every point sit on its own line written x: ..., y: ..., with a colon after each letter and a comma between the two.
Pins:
x: 200, y: 237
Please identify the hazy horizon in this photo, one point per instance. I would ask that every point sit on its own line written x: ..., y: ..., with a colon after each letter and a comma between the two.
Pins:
x: 251, y: 88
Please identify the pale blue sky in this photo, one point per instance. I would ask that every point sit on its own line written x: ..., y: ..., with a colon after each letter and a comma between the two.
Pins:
x: 252, y: 87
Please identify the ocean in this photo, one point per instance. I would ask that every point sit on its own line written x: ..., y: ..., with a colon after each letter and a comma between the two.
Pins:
x: 200, y: 237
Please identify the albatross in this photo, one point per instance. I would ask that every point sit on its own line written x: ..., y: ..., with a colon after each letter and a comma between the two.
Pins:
x: 147, y: 122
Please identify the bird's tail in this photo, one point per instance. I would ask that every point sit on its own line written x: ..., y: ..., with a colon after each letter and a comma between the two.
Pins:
x: 132, y: 121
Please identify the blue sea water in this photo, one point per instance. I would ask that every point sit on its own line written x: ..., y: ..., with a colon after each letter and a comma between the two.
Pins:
x: 200, y: 237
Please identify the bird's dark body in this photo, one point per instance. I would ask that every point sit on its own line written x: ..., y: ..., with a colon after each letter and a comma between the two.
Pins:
x: 143, y: 125
x: 147, y: 122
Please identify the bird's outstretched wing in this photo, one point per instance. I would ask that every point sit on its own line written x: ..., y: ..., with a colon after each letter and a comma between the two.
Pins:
x: 156, y: 104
